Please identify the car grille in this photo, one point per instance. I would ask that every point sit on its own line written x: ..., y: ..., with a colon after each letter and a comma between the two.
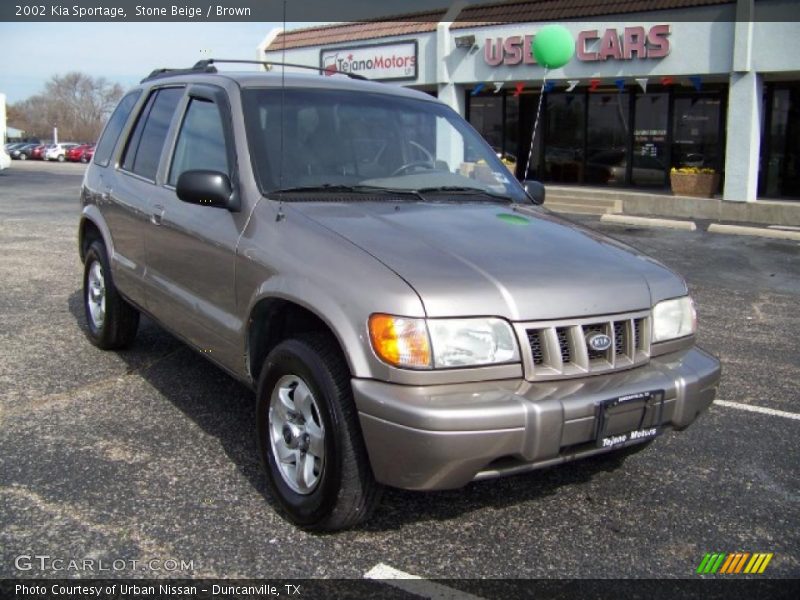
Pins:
x: 560, y: 349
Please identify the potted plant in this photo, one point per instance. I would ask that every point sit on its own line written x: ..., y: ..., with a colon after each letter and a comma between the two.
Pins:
x: 694, y: 181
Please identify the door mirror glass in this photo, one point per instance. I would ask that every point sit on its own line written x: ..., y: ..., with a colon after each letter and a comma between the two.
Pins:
x: 206, y: 188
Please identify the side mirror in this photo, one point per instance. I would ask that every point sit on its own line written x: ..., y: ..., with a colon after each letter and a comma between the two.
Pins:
x: 206, y: 188
x: 535, y: 190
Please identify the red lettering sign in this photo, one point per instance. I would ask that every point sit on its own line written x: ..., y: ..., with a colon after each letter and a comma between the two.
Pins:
x: 635, y: 42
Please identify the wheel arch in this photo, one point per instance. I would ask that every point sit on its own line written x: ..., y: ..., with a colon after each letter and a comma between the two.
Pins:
x: 92, y: 228
x: 275, y: 318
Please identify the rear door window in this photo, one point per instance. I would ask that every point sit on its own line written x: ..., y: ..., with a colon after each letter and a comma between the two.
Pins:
x: 108, y: 141
x: 143, y: 152
x: 201, y: 141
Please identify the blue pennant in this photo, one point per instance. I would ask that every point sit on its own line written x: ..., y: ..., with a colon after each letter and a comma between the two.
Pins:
x: 477, y: 89
x: 620, y: 83
x: 549, y: 85
x: 696, y: 82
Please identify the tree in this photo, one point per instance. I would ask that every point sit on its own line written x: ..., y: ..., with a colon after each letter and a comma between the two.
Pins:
x: 76, y: 103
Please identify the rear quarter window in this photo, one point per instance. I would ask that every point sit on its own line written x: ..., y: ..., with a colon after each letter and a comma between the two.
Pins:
x: 108, y: 140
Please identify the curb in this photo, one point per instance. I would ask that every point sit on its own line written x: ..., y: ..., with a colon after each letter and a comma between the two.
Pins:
x: 779, y: 234
x: 648, y: 222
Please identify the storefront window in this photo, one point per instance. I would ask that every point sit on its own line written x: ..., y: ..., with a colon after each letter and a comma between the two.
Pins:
x: 783, y: 162
x: 512, y: 156
x: 650, y: 140
x: 564, y: 131
x: 696, y: 138
x: 486, y: 115
x: 607, y: 138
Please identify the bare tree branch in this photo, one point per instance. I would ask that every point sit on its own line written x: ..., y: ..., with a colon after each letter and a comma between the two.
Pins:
x: 76, y: 103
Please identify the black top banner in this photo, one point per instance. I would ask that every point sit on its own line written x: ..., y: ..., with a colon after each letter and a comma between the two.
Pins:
x: 331, y: 11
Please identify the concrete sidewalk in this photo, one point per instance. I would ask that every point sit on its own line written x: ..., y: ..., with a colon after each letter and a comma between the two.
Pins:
x: 609, y: 200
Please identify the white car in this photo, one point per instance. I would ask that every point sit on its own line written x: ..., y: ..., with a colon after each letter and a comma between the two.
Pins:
x: 5, y: 159
x: 58, y: 151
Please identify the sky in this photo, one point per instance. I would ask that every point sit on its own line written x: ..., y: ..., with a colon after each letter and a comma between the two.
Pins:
x: 120, y: 52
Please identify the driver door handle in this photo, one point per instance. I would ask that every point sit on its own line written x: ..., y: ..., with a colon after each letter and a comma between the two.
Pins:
x: 158, y: 214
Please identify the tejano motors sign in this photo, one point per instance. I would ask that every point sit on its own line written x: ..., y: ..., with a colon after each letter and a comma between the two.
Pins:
x: 376, y: 61
x: 591, y: 45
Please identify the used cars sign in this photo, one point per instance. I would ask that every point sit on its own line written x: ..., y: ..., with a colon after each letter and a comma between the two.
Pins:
x: 378, y: 61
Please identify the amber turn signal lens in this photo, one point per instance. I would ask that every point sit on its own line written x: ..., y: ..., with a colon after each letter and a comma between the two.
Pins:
x: 400, y: 341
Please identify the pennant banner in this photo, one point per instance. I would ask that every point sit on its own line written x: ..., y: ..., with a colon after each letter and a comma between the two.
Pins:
x: 620, y: 83
x: 667, y: 80
x: 498, y: 85
x: 642, y: 81
x: 697, y: 82
x: 478, y: 89
x: 518, y: 89
x: 593, y: 83
x: 572, y: 84
x: 548, y: 86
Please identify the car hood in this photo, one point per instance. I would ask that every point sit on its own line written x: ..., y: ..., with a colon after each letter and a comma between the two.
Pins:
x: 488, y: 259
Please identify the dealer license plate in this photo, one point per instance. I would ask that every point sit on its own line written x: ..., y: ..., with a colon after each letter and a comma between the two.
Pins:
x: 650, y: 407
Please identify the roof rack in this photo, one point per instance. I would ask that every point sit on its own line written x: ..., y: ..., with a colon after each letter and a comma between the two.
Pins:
x: 209, y: 62
x: 159, y: 73
x: 207, y: 66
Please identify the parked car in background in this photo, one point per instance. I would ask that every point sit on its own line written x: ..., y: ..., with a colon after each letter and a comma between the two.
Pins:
x: 88, y: 154
x: 24, y: 152
x: 5, y: 160
x: 77, y: 153
x: 38, y: 152
x: 58, y: 151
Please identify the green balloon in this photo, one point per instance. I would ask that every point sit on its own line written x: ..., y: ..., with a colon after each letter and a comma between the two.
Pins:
x: 553, y: 46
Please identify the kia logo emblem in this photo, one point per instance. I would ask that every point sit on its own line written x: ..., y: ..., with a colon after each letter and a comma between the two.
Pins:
x: 598, y: 341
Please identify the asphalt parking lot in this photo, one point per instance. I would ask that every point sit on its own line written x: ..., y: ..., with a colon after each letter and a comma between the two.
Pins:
x: 149, y: 453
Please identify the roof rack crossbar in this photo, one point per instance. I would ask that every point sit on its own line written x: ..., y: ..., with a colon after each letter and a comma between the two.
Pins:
x: 209, y: 62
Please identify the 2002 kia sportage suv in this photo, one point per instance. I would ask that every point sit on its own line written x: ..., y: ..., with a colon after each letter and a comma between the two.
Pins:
x: 357, y: 254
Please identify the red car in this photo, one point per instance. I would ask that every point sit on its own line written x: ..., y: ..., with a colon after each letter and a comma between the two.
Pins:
x: 82, y: 153
x: 38, y: 152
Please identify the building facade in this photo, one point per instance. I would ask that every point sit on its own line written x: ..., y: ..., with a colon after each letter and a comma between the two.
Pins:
x: 653, y: 84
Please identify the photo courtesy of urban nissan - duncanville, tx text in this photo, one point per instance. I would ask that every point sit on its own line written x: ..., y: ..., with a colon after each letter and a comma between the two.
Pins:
x: 406, y: 312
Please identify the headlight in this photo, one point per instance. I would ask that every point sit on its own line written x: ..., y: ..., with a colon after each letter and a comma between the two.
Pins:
x: 442, y: 343
x: 674, y: 318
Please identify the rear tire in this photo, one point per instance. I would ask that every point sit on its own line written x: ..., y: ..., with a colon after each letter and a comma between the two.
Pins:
x: 309, y: 437
x: 112, y: 322
x: 61, y: 158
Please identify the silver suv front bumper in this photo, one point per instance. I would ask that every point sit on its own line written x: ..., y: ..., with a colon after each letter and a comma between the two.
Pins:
x: 444, y: 436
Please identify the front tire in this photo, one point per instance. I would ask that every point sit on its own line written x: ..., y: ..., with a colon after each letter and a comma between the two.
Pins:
x: 112, y: 322
x: 309, y: 438
x: 61, y: 158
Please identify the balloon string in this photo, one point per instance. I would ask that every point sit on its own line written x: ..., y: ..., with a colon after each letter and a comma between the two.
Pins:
x: 535, y: 124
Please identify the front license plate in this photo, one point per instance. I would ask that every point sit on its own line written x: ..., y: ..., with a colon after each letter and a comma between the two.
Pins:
x: 642, y: 412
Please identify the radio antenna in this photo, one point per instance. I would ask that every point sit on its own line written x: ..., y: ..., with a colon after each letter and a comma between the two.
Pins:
x: 280, y: 216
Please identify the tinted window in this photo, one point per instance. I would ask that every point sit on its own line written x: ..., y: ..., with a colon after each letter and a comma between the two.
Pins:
x: 147, y: 141
x: 114, y: 127
x: 201, y: 142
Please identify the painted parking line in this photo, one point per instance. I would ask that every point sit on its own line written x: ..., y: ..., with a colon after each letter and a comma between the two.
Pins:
x: 759, y: 409
x: 414, y: 584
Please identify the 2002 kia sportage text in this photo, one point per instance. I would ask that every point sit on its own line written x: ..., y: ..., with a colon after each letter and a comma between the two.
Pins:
x: 405, y: 311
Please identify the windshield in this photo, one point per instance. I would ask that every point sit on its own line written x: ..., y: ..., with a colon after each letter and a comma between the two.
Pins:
x: 369, y: 141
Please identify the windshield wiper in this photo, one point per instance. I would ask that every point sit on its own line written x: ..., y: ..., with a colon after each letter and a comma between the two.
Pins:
x: 349, y: 189
x: 466, y: 191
